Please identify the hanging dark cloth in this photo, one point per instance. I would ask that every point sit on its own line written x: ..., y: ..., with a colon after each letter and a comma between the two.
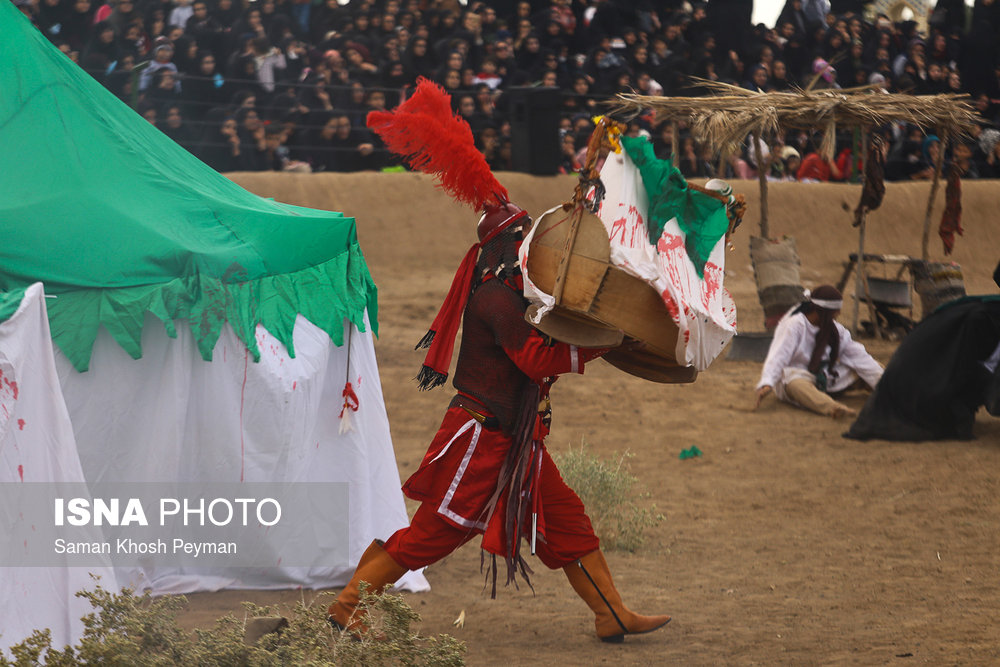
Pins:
x: 873, y: 190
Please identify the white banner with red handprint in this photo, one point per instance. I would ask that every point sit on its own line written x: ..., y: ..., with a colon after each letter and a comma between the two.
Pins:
x: 702, y: 308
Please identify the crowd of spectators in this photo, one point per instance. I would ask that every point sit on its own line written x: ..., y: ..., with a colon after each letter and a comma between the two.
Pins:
x: 286, y: 84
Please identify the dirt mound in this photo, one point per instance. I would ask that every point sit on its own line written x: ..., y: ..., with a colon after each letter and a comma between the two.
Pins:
x: 784, y: 543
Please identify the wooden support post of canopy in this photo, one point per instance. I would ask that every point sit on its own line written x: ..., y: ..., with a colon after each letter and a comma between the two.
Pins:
x: 762, y: 180
x: 861, y: 290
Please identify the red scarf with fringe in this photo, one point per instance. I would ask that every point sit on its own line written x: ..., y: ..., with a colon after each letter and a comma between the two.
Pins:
x: 440, y: 339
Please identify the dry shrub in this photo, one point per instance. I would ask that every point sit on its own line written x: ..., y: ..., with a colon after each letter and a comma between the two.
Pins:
x: 141, y: 631
x: 607, y: 490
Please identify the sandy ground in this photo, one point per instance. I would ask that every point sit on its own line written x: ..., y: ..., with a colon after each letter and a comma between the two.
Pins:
x: 784, y: 543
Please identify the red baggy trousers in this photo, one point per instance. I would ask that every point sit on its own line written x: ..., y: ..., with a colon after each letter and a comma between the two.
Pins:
x: 568, y: 534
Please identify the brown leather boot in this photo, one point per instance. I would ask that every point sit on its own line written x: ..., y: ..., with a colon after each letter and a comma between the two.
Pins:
x: 591, y: 579
x: 380, y: 571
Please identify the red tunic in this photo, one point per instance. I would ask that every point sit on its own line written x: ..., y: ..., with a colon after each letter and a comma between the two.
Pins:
x: 459, y: 472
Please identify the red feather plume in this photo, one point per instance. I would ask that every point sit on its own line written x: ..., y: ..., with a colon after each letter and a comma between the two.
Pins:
x: 437, y: 141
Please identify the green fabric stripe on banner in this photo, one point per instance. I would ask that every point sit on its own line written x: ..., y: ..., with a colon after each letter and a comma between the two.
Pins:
x: 116, y: 220
x: 702, y: 218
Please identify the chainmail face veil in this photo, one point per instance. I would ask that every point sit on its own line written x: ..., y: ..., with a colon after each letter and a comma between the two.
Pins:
x: 499, y: 257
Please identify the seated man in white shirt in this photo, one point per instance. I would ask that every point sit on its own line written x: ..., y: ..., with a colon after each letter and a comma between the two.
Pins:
x: 813, y: 356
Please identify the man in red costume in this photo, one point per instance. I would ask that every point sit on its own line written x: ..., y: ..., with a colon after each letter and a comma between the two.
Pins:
x: 487, y: 471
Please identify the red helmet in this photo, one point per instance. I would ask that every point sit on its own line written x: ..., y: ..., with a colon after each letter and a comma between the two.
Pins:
x: 497, y: 218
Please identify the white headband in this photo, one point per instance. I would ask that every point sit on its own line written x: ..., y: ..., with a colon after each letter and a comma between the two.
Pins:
x: 828, y: 304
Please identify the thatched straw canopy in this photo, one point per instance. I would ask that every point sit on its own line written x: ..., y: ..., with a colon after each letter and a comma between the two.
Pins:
x: 725, y: 119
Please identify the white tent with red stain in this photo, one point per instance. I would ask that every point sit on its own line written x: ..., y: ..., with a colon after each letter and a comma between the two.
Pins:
x: 171, y: 416
x: 159, y: 324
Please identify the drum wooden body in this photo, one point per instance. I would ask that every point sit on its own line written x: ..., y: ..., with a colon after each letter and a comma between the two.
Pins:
x: 599, y: 301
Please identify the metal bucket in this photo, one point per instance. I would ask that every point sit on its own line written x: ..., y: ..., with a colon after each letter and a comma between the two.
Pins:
x: 752, y: 346
x: 895, y: 293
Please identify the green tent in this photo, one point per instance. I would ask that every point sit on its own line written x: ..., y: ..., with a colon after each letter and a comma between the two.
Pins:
x: 116, y: 219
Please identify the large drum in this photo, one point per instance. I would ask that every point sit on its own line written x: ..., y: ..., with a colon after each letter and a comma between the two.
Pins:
x: 597, y: 302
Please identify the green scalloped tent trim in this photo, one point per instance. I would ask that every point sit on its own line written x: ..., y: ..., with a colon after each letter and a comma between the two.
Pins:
x: 702, y: 218
x: 326, y: 295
